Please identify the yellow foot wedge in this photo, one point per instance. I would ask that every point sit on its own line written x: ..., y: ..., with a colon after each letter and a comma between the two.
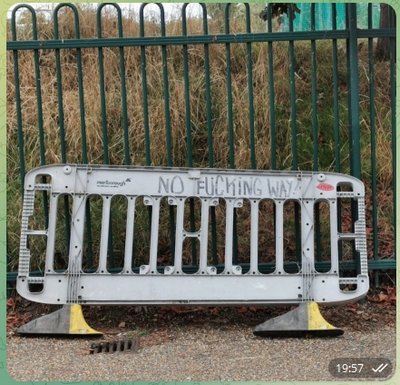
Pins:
x: 69, y: 320
x: 305, y: 321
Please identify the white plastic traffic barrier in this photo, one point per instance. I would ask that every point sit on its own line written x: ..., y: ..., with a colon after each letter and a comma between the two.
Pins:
x: 172, y: 285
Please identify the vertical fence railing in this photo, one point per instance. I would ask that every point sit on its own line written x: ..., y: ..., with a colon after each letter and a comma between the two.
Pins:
x: 146, y: 123
x: 354, y: 114
x: 295, y: 164
x: 315, y: 130
x: 186, y: 70
x: 373, y: 140
x: 203, y: 41
x: 253, y: 160
x: 393, y: 96
x: 61, y: 118
x: 335, y: 94
x: 271, y: 92
x: 18, y: 100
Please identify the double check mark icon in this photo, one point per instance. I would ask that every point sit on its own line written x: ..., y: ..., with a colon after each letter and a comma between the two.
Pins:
x: 380, y: 368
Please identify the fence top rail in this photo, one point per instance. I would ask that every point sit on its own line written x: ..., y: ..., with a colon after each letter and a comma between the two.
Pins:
x: 223, y: 36
x: 179, y: 40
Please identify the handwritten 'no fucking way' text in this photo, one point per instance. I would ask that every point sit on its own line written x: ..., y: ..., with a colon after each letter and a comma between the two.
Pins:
x: 220, y: 186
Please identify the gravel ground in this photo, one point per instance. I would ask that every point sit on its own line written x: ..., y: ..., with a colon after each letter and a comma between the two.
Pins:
x: 206, y: 354
x: 202, y: 345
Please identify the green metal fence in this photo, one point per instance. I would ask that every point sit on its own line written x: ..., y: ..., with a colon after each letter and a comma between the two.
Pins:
x: 258, y: 100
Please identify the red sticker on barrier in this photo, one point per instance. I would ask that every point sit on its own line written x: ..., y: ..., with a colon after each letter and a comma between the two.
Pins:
x: 325, y: 187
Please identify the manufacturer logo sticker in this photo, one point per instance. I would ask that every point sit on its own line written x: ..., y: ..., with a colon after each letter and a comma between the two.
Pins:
x: 325, y: 187
x: 109, y: 183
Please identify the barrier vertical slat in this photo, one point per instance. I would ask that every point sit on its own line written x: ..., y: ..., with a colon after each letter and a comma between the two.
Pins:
x: 51, y: 235
x: 205, y: 209
x: 279, y: 236
x: 193, y: 229
x: 129, y: 239
x: 89, y: 234
x: 179, y: 236
x: 155, y: 217
x: 77, y: 226
x: 235, y: 238
x: 105, y: 231
x: 307, y: 246
x: 229, y: 235
x: 254, y: 215
x: 335, y: 256
x: 76, y: 247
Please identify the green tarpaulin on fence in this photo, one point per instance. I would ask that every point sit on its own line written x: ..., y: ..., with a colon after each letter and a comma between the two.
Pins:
x: 324, y: 17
